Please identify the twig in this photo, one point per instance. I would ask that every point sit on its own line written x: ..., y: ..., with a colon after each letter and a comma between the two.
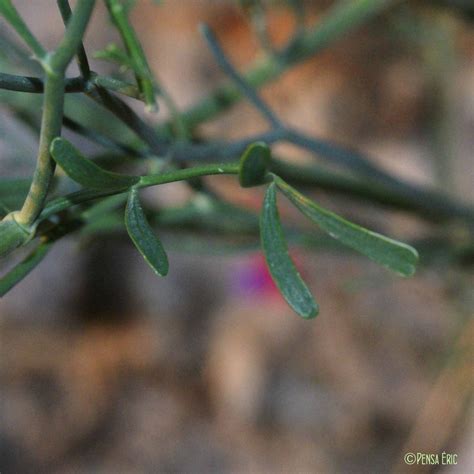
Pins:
x: 82, y: 60
x: 11, y: 15
x: 245, y: 88
x: 55, y: 66
x: 119, y: 14
x: 35, y: 85
x: 338, y: 22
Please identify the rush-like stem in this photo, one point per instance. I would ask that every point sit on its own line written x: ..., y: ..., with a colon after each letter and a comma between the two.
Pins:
x: 50, y: 128
x: 339, y: 21
x: 55, y: 65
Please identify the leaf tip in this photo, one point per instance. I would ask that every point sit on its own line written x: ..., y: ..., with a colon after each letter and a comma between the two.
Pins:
x: 311, y: 312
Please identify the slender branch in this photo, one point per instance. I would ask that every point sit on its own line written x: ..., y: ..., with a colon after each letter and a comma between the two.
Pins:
x: 16, y: 21
x: 340, y: 155
x: 64, y: 202
x: 125, y: 113
x: 428, y: 204
x: 342, y: 18
x: 50, y: 128
x: 99, y: 94
x: 188, y: 173
x: 245, y: 88
x: 338, y: 22
x: 35, y: 85
x: 55, y: 65
x: 119, y: 15
x: 223, y: 151
x: 72, y: 39
x: 82, y: 60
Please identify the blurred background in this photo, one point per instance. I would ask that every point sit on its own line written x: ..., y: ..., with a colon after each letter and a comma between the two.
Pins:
x: 105, y: 368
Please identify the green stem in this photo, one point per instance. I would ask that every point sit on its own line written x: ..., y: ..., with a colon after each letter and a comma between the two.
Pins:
x: 50, y: 128
x: 65, y: 202
x: 339, y: 21
x: 119, y: 15
x: 82, y: 60
x: 55, y: 65
x: 188, y: 173
x: 428, y: 204
x: 35, y: 85
x: 11, y: 15
x: 72, y: 40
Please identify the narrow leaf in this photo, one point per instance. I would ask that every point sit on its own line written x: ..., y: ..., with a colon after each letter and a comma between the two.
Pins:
x: 143, y: 236
x: 254, y: 164
x: 20, y: 271
x: 396, y: 256
x: 281, y: 267
x: 84, y: 171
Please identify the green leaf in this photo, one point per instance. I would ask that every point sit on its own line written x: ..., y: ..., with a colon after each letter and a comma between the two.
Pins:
x: 143, y: 236
x: 84, y: 171
x: 282, y: 269
x: 12, y: 235
x: 20, y: 271
x: 396, y: 256
x: 254, y: 164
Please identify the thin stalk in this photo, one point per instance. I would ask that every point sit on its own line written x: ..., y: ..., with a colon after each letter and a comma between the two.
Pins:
x: 341, y: 19
x: 82, y: 60
x: 55, y: 65
x: 245, y: 88
x: 50, y: 128
x: 72, y: 39
x: 125, y: 113
x: 119, y: 14
x: 11, y: 14
x: 65, y: 202
x: 35, y: 85
x: 428, y: 204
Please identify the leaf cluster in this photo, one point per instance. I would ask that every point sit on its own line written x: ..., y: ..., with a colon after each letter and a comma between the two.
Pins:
x: 109, y: 200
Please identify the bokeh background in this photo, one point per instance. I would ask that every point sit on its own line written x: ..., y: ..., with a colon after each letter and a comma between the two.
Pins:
x: 106, y: 369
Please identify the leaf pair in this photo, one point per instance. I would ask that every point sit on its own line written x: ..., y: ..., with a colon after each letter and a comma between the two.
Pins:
x: 390, y: 253
x: 89, y: 175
